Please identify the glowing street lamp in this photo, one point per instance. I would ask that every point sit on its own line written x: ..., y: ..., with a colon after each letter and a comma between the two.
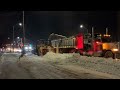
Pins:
x: 18, y: 37
x: 81, y: 26
x: 20, y: 24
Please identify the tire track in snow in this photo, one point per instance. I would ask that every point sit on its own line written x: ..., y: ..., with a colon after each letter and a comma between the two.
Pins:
x: 10, y: 69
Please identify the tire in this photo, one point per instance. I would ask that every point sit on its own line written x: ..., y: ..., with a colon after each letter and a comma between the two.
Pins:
x: 109, y: 54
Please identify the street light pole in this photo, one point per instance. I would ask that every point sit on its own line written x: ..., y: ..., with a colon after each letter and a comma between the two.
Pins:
x: 23, y: 33
x: 13, y: 38
x: 92, y: 38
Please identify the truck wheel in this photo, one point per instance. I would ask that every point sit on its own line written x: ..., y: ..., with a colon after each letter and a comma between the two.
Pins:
x: 108, y: 54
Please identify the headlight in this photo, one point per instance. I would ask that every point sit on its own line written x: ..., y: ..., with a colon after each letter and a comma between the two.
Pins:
x: 115, y: 49
x: 26, y: 48
x: 30, y: 47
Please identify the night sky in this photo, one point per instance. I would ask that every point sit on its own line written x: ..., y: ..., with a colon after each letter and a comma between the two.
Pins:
x: 39, y: 24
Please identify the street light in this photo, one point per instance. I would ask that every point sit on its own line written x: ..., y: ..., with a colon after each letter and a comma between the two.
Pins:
x: 20, y: 24
x: 18, y: 37
x: 82, y: 26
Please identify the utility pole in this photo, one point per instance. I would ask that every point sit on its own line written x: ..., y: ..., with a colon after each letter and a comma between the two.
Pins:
x: 92, y: 33
x: 93, y: 38
x: 23, y: 32
x: 13, y: 38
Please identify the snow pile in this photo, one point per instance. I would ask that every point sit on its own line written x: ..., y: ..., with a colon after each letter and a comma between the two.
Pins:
x: 110, y: 66
x: 58, y: 58
x: 54, y: 56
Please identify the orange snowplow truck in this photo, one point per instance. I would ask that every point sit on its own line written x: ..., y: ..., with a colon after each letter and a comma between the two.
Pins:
x: 85, y: 44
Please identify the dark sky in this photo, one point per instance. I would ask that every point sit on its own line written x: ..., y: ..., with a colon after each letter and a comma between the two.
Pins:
x: 39, y: 24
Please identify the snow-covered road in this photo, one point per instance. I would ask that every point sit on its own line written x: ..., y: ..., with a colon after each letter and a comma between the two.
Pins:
x: 9, y: 68
x: 34, y: 67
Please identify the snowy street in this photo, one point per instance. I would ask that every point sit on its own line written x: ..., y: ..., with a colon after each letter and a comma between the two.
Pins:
x: 34, y: 67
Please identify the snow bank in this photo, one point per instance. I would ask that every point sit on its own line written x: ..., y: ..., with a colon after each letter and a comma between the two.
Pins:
x: 41, y: 70
x: 55, y: 56
x: 110, y: 66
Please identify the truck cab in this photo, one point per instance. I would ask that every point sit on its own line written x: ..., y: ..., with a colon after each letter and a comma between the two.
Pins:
x: 99, y: 45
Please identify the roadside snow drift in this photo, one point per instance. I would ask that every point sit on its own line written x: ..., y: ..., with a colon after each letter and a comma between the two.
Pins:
x: 58, y: 66
x: 110, y: 66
